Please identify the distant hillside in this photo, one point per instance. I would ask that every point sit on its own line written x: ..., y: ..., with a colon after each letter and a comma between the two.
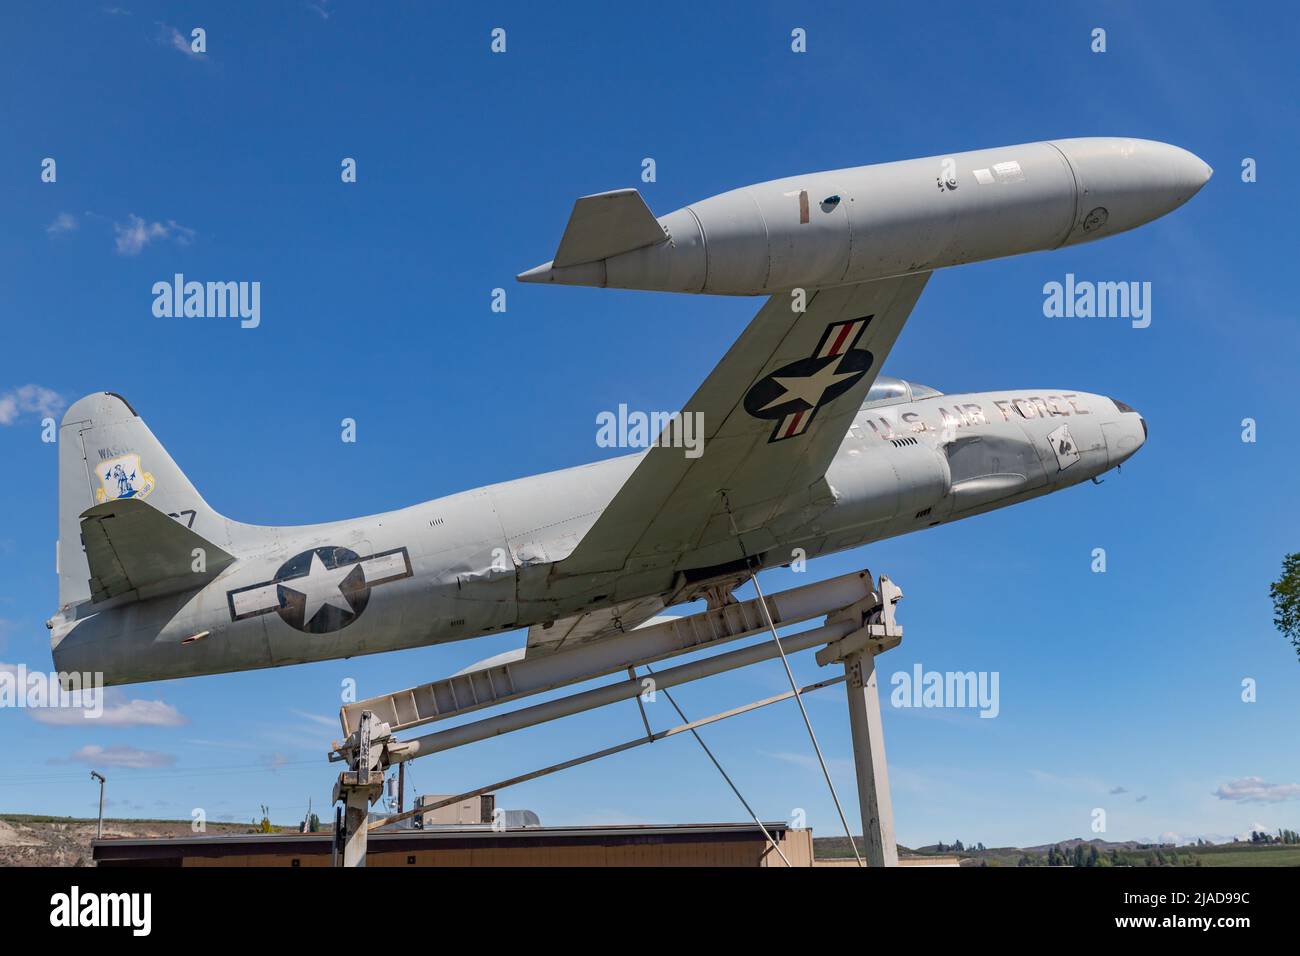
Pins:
x: 1101, y: 845
x: 32, y: 840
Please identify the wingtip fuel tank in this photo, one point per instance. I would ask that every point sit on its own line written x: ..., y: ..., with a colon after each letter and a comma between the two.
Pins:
x: 868, y: 222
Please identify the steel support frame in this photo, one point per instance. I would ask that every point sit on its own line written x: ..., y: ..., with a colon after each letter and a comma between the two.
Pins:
x: 509, y: 677
x: 852, y: 636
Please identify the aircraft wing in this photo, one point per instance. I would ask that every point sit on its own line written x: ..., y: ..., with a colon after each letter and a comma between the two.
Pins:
x: 133, y: 547
x: 569, y: 632
x: 774, y: 413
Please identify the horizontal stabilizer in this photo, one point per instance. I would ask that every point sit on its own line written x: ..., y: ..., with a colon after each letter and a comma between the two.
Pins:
x: 133, y: 547
x: 607, y: 224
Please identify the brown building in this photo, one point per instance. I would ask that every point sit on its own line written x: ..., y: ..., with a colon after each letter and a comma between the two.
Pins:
x: 723, y: 844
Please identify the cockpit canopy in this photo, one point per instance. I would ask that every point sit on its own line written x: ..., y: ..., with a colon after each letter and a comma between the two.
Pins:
x: 894, y: 391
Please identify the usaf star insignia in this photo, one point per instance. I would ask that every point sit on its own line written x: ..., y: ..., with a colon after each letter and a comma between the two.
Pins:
x: 321, y: 590
x: 791, y: 395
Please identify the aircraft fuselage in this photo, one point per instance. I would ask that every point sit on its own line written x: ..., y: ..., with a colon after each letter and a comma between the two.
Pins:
x: 469, y: 564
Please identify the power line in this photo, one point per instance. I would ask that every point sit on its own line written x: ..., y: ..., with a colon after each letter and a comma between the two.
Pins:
x: 23, y: 780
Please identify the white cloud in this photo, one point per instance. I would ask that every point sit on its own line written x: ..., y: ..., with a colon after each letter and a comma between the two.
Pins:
x: 64, y: 223
x: 837, y: 765
x: 331, y: 722
x: 114, y: 709
x: 30, y: 399
x: 121, y: 755
x: 294, y: 738
x: 171, y: 37
x: 136, y: 233
x: 1256, y: 790
x: 117, y: 713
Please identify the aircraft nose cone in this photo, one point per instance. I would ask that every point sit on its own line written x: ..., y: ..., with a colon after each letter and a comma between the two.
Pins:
x: 1125, y: 433
x: 1187, y: 172
x: 1123, y: 183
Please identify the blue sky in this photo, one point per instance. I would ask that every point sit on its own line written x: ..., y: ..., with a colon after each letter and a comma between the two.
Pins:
x: 376, y: 306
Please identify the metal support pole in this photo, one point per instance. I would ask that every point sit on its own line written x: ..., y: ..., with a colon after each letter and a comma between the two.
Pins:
x: 640, y: 704
x: 869, y: 759
x: 803, y: 712
x: 357, y: 789
x: 99, y: 829
x: 725, y: 776
x: 356, y: 811
x: 336, y: 838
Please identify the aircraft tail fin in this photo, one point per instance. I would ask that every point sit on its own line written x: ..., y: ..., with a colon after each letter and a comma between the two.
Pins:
x: 132, y: 548
x: 107, y: 456
x: 607, y: 224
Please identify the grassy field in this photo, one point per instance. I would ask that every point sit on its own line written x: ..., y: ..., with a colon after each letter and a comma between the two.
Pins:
x: 1243, y: 854
x: 1128, y: 854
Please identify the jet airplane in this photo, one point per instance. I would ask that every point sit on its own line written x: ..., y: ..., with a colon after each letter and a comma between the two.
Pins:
x: 808, y: 450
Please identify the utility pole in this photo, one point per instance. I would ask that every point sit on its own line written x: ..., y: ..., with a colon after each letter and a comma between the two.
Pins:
x: 99, y: 830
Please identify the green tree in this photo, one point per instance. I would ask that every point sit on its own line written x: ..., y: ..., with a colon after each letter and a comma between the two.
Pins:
x: 1285, y: 592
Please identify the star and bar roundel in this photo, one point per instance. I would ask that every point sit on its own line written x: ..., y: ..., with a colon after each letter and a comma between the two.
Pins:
x: 793, y: 393
x: 321, y: 590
